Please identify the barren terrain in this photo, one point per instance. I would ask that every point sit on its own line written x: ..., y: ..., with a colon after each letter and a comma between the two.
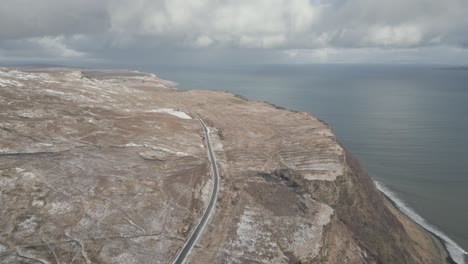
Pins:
x: 111, y: 167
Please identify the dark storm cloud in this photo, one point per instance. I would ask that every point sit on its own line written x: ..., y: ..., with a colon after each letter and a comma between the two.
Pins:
x: 111, y: 29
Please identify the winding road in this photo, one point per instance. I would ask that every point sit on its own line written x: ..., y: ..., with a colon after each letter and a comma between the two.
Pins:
x: 192, y: 239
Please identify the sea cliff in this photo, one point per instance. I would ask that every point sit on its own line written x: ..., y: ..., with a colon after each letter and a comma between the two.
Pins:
x: 111, y: 167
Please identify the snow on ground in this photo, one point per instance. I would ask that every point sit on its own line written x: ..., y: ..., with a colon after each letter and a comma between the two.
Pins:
x: 177, y: 153
x: 15, y: 77
x: 6, y: 82
x: 206, y: 191
x: 54, y: 92
x: 250, y: 232
x: 171, y: 111
x: 3, y: 248
x: 215, y: 140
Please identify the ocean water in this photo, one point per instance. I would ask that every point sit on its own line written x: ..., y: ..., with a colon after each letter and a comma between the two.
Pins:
x: 407, y: 125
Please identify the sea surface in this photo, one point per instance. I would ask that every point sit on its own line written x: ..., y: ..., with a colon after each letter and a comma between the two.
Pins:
x: 407, y: 125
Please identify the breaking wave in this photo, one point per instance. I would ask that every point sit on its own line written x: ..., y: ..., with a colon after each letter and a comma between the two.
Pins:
x: 456, y: 252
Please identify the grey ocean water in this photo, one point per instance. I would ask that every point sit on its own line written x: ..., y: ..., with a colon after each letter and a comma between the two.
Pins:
x: 407, y: 125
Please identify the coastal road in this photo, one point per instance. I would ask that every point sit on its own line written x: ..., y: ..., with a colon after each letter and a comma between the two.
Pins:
x: 192, y: 239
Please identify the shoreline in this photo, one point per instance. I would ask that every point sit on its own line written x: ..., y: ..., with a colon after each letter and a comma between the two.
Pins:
x: 455, y: 254
x: 452, y: 252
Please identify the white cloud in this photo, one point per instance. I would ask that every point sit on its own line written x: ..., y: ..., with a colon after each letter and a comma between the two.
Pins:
x: 395, y: 36
x: 55, y: 46
x: 203, y: 41
x: 108, y: 27
x: 262, y: 23
x: 291, y: 24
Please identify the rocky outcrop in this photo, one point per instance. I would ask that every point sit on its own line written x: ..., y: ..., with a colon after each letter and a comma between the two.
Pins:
x: 109, y: 167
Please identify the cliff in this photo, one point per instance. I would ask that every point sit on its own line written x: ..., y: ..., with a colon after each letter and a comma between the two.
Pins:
x: 111, y: 167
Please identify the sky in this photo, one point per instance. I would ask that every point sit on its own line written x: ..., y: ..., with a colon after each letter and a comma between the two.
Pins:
x: 234, y: 31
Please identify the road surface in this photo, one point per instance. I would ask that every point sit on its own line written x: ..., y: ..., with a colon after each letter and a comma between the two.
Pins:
x: 192, y: 239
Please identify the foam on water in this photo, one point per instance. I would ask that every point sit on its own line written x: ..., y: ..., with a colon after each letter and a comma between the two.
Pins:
x: 456, y: 252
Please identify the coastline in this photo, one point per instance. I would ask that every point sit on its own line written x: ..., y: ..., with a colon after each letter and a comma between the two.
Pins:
x: 364, y: 231
x: 453, y: 252
x: 450, y: 250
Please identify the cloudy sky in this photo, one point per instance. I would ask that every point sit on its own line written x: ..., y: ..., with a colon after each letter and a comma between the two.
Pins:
x: 234, y: 31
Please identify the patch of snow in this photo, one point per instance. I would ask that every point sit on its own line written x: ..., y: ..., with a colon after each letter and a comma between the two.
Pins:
x: 37, y: 203
x: 5, y: 150
x: 29, y: 175
x: 45, y: 144
x: 5, y: 82
x: 215, y: 140
x: 3, y: 248
x: 171, y: 111
x: 28, y: 226
x: 34, y: 113
x: 305, y: 234
x: 178, y: 153
x: 250, y: 234
x: 74, y: 75
x: 24, y: 75
x: 91, y: 86
x: 60, y: 207
x: 160, y: 85
x: 206, y: 191
x: 133, y: 145
x: 49, y: 81
x: 54, y: 92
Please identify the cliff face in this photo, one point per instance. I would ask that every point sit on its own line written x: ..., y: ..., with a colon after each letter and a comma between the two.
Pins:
x: 109, y: 167
x: 292, y: 193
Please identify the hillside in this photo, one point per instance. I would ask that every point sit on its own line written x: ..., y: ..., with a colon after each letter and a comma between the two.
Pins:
x: 112, y: 167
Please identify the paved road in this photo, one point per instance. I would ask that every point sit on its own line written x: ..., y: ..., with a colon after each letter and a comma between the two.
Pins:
x: 183, y: 253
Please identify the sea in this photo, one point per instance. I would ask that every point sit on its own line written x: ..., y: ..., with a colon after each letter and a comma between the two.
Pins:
x: 406, y: 124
